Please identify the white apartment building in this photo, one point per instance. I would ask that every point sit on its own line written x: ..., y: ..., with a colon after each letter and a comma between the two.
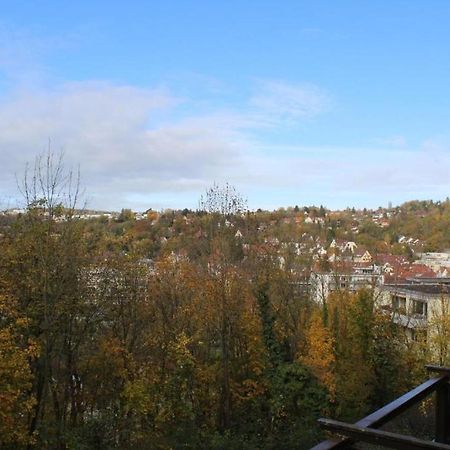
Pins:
x: 418, y: 304
x: 352, y: 278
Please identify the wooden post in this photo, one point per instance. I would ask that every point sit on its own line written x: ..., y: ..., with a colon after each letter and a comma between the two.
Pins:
x: 443, y: 414
x: 366, y: 429
x: 382, y: 438
x: 389, y: 411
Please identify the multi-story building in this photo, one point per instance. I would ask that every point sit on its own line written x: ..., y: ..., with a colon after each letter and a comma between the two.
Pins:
x: 418, y: 304
x: 349, y: 276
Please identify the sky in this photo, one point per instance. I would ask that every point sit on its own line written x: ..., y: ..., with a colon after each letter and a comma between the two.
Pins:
x: 294, y: 103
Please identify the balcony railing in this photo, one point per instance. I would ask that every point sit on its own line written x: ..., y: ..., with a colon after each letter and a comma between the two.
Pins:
x: 367, y: 429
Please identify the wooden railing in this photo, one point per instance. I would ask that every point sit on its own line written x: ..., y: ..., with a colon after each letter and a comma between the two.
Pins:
x: 366, y: 429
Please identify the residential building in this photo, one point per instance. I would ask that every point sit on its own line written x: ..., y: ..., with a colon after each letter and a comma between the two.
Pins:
x: 345, y: 276
x: 416, y: 304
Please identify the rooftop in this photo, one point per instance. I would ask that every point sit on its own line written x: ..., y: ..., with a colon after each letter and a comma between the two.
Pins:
x: 433, y: 289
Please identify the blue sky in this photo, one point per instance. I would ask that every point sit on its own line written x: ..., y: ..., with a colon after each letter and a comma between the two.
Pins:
x: 295, y: 102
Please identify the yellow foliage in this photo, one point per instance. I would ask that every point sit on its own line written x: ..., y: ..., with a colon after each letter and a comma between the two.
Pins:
x: 15, y: 377
x: 320, y: 357
x: 438, y: 339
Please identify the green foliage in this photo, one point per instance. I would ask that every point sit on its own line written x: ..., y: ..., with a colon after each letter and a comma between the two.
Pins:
x: 297, y: 401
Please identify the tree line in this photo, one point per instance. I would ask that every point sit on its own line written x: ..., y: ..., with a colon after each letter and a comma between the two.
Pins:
x: 214, y: 347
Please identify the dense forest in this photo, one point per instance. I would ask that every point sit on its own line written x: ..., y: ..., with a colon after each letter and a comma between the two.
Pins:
x: 192, y: 329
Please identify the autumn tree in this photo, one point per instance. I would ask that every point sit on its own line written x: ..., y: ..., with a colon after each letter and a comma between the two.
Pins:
x: 115, y: 361
x: 16, y: 397
x: 320, y: 356
x: 437, y: 335
x: 224, y: 200
x: 42, y: 261
x: 369, y: 360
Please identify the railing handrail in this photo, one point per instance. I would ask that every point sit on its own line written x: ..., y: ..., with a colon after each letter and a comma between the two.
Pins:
x: 386, y: 413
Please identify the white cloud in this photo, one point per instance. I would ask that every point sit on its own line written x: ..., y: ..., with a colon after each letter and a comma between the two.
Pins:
x: 132, y: 142
x: 124, y: 139
x: 281, y: 101
x: 136, y: 149
x: 341, y: 176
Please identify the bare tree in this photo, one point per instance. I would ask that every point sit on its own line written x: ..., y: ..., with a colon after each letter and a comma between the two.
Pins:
x: 224, y: 200
x: 43, y: 270
x: 49, y: 187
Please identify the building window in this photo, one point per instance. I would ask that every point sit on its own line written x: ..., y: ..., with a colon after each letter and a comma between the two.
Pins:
x: 343, y: 282
x: 419, y: 308
x: 399, y: 304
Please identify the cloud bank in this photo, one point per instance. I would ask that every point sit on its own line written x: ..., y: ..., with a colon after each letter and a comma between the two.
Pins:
x: 142, y: 147
x: 131, y: 142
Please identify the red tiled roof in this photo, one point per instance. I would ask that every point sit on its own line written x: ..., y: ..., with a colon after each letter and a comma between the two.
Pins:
x: 392, y: 260
x: 411, y: 271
